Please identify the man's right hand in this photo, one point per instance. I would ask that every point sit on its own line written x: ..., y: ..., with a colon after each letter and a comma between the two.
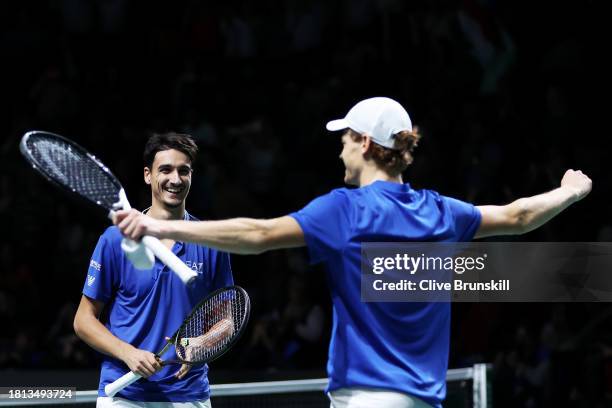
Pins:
x: 142, y: 362
x: 578, y: 182
x: 133, y: 224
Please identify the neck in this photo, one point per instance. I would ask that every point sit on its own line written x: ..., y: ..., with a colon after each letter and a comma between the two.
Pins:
x: 371, y: 174
x: 160, y: 212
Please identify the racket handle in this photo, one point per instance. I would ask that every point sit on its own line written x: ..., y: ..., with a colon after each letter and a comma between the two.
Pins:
x: 120, y: 383
x: 165, y: 255
x: 139, y: 255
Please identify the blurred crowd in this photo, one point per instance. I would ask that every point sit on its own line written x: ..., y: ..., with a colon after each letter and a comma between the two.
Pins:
x: 503, y: 92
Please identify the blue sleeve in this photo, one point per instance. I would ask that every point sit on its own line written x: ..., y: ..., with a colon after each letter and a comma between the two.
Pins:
x: 466, y: 218
x: 100, y: 279
x: 325, y: 222
x: 221, y: 270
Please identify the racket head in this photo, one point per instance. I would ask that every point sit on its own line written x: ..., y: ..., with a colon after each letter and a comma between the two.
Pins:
x: 71, y: 168
x: 231, y: 303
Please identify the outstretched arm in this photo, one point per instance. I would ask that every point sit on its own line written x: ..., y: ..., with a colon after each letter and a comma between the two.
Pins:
x: 527, y: 214
x: 237, y: 235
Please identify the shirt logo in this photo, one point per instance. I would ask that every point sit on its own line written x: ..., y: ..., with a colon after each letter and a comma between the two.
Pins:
x: 90, y: 280
x: 196, y: 266
x: 95, y: 265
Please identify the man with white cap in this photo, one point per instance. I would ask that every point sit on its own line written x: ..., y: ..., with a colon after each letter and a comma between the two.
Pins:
x: 381, y: 354
x: 380, y: 118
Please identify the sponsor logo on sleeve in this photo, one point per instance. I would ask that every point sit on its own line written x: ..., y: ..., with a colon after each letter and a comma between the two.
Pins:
x: 95, y: 265
x: 90, y: 280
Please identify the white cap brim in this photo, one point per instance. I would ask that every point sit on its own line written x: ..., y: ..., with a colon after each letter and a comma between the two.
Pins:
x: 337, y: 124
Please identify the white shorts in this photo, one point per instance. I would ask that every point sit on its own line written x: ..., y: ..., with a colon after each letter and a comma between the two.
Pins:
x: 373, y: 397
x: 115, y: 402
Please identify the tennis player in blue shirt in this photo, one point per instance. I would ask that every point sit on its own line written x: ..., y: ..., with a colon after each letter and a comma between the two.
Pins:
x: 126, y: 313
x: 381, y: 354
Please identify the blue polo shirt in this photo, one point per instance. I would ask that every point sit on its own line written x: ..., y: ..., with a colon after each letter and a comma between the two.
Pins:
x: 397, y: 346
x: 144, y: 306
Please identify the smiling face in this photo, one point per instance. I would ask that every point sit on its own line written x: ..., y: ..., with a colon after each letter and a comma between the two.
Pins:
x: 170, y: 178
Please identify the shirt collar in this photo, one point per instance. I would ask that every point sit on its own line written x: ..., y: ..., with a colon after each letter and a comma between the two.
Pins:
x: 390, y: 186
x: 186, y: 216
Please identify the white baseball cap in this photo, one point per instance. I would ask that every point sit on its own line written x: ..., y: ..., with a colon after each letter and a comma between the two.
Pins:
x: 380, y: 118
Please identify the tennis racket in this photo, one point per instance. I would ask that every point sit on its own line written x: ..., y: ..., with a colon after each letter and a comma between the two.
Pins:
x: 75, y: 170
x: 210, y: 330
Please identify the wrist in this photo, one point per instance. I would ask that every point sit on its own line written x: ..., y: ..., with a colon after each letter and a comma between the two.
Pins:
x: 124, y: 351
x: 166, y: 230
x: 573, y: 194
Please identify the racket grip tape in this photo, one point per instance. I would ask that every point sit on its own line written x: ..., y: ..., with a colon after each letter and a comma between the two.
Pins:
x: 165, y: 255
x: 120, y: 383
x: 139, y: 255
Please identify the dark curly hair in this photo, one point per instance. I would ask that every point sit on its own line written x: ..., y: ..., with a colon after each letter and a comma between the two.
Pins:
x: 393, y: 161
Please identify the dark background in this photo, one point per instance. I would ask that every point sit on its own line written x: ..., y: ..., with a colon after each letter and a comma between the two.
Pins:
x: 508, y: 94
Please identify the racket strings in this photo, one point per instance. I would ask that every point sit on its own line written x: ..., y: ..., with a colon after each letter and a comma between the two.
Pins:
x: 211, y: 327
x: 74, y: 169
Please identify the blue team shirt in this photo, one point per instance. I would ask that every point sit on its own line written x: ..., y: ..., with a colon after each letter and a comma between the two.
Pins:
x: 398, y: 346
x: 144, y: 306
